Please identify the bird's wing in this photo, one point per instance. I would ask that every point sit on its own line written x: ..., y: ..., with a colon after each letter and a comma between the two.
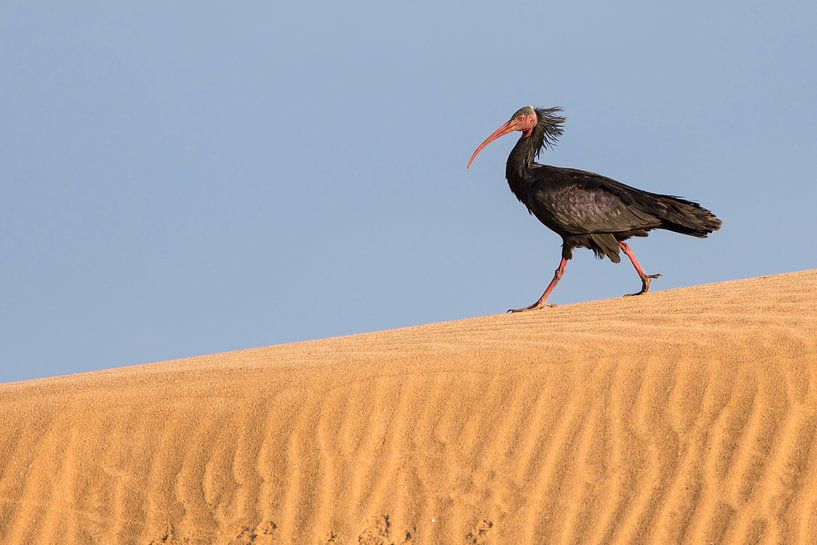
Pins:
x: 581, y: 202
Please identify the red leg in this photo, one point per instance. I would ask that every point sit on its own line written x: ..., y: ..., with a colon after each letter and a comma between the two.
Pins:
x: 543, y: 300
x: 645, y: 278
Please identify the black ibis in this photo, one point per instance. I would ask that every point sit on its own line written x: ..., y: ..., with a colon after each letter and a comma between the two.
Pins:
x: 586, y: 209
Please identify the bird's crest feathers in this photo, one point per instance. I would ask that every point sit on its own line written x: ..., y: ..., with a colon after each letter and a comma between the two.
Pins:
x: 551, y: 125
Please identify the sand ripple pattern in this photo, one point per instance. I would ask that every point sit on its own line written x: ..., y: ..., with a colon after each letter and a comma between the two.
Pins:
x: 684, y: 416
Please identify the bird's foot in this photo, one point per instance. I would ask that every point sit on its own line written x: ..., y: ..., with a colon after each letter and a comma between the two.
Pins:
x: 536, y: 306
x: 645, y: 284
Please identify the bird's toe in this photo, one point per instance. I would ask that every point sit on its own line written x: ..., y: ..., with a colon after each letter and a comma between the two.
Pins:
x: 535, y: 306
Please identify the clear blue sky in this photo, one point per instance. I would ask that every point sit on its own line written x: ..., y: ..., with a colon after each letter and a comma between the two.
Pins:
x: 180, y: 178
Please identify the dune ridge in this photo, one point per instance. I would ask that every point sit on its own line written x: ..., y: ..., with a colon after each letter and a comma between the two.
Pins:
x: 682, y: 416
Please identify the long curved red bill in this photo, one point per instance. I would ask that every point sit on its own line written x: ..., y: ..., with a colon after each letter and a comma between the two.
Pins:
x: 501, y: 131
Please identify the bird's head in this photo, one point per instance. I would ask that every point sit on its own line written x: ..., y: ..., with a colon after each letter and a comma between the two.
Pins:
x: 526, y: 119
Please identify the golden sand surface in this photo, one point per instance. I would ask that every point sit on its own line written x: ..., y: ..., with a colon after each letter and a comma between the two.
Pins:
x: 682, y: 416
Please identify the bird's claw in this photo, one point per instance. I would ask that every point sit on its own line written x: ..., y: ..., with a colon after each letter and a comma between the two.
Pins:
x: 645, y: 284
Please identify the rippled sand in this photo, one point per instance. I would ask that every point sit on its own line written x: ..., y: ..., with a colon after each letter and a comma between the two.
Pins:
x: 683, y: 416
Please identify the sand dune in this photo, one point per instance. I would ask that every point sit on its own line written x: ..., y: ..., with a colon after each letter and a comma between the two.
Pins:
x: 684, y: 416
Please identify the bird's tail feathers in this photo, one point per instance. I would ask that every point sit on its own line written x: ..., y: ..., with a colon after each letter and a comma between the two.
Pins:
x: 685, y: 217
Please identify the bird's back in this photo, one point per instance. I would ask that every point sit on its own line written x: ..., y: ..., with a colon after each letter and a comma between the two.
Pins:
x: 573, y: 202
